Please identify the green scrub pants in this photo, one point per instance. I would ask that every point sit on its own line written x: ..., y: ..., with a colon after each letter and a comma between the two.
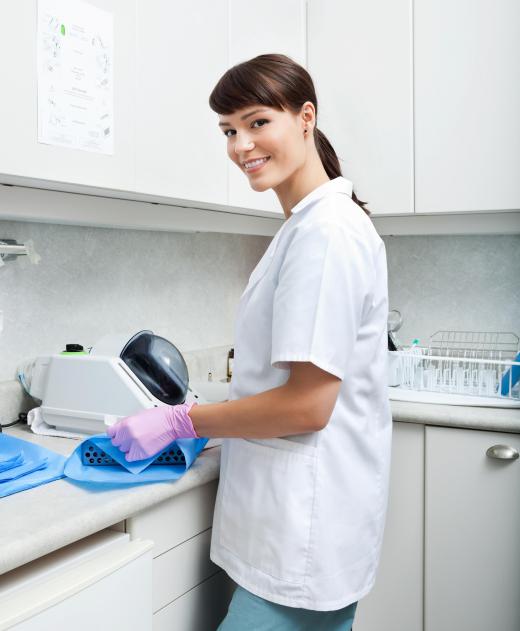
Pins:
x: 248, y: 612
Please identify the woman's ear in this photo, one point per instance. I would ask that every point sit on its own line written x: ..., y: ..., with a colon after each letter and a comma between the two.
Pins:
x: 308, y: 116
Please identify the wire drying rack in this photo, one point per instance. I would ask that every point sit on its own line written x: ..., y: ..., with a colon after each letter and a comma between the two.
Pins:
x: 475, y: 363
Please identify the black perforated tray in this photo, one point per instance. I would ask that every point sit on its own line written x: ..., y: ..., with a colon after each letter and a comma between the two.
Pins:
x: 94, y: 456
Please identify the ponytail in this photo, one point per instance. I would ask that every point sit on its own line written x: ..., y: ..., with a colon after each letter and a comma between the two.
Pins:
x: 330, y: 162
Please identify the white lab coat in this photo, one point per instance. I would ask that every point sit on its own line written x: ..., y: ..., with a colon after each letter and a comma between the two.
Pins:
x: 299, y: 520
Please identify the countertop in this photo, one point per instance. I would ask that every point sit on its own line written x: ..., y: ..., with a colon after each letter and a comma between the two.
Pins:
x: 41, y: 520
x: 465, y: 416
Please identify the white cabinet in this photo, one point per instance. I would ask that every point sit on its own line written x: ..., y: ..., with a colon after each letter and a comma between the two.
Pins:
x: 361, y: 60
x: 467, y: 104
x: 396, y: 601
x: 20, y: 153
x: 190, y: 592
x: 450, y: 552
x: 472, y: 545
x: 177, y: 570
x: 419, y: 99
x: 200, y: 609
x: 102, y: 582
x: 182, y: 50
x: 272, y: 27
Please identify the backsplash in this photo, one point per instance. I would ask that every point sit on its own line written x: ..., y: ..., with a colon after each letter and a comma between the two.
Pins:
x: 469, y: 283
x: 185, y: 287
x: 95, y: 281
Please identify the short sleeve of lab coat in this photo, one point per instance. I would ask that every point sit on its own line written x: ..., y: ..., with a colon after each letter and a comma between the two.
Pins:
x: 324, y: 282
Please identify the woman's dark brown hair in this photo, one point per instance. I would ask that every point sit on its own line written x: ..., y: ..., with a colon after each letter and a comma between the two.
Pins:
x: 274, y: 81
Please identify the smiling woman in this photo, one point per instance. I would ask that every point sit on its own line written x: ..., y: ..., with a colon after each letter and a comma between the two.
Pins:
x: 268, y: 109
x: 305, y: 457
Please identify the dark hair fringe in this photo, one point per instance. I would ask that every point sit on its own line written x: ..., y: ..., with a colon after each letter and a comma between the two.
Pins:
x: 276, y: 81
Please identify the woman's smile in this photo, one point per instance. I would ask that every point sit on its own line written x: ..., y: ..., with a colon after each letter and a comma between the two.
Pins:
x: 252, y: 166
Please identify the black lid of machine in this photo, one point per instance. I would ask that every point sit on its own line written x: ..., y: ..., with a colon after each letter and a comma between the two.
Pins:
x: 159, y: 365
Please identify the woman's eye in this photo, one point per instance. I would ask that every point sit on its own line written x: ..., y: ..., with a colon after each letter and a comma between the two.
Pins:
x: 259, y: 120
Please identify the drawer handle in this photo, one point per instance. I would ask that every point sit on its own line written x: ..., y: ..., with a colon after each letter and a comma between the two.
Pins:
x: 502, y: 452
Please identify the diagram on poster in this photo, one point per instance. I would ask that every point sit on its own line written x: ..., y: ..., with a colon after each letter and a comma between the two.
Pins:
x: 75, y: 44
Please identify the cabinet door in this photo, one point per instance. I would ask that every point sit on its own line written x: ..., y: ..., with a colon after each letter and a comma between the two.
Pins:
x: 101, y: 582
x: 272, y: 27
x: 181, y: 53
x: 201, y: 609
x: 175, y: 520
x: 180, y: 569
x: 21, y: 154
x: 360, y: 58
x: 472, y: 521
x: 396, y: 601
x: 467, y: 100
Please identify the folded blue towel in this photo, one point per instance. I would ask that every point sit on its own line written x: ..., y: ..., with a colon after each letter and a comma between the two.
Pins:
x: 130, y: 472
x: 24, y: 469
x: 8, y: 462
x: 51, y: 469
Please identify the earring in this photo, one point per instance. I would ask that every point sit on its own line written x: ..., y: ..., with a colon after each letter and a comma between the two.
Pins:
x: 306, y: 130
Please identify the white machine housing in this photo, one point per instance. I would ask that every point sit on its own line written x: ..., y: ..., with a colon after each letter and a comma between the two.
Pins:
x: 83, y: 393
x: 79, y: 392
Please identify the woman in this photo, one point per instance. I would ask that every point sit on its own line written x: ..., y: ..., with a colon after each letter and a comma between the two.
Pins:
x: 302, y: 497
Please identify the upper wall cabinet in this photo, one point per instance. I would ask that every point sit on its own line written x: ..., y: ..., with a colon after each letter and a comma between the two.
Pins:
x: 360, y: 58
x: 182, y: 50
x: 467, y: 105
x: 272, y: 27
x: 419, y: 99
x: 20, y: 153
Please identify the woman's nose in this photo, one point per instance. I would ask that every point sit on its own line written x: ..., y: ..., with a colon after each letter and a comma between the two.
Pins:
x: 243, y: 143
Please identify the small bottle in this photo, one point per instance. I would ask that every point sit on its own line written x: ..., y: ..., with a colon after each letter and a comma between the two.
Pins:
x: 230, y: 359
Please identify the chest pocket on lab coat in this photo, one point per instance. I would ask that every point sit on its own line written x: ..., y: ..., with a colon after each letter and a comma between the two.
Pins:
x: 267, y: 505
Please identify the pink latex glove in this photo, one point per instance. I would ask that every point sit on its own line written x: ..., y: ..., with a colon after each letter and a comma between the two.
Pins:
x: 150, y: 431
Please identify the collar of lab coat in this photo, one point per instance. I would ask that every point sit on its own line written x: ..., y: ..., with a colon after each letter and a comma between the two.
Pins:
x: 337, y: 185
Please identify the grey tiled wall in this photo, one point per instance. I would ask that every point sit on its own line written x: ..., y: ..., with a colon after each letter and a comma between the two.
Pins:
x: 94, y: 281
x: 454, y: 282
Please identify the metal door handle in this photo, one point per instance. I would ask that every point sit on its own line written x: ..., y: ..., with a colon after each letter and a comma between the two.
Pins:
x: 502, y: 452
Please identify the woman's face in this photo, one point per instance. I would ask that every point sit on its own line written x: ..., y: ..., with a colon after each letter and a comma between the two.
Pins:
x: 267, y: 144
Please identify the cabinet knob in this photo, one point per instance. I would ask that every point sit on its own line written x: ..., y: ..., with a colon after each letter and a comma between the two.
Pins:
x: 502, y: 452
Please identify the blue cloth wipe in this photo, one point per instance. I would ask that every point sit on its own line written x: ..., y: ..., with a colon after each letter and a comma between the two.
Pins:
x: 135, y: 472
x: 8, y: 462
x: 37, y: 465
x: 27, y: 467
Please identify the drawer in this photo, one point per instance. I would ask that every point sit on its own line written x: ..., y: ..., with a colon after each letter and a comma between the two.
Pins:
x: 201, y: 609
x: 70, y: 588
x: 175, y: 520
x: 177, y: 571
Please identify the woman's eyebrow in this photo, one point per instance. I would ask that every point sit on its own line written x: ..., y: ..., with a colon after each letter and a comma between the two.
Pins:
x: 223, y: 123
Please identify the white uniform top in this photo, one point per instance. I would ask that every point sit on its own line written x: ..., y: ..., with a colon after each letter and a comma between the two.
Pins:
x: 299, y: 520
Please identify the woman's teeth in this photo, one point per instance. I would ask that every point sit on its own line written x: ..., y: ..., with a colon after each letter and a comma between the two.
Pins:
x: 254, y: 163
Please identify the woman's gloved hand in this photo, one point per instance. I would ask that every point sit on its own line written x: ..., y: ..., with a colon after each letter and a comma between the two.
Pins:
x: 149, y: 432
